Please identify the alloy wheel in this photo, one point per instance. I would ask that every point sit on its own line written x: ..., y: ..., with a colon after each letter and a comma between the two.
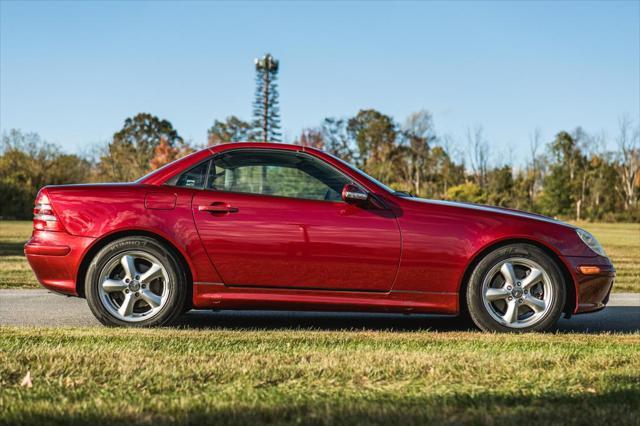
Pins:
x: 517, y: 292
x: 134, y: 286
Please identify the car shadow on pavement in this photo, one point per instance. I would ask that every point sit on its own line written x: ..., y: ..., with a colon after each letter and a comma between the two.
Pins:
x: 615, y: 319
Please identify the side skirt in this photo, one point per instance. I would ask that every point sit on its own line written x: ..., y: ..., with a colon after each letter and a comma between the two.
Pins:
x: 208, y: 295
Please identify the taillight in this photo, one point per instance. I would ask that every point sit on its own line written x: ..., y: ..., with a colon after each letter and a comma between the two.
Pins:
x: 44, y: 218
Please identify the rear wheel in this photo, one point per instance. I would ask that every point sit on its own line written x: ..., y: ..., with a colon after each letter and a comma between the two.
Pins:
x: 136, y: 281
x: 516, y: 288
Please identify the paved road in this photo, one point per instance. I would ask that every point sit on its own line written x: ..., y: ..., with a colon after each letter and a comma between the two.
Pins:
x: 42, y: 308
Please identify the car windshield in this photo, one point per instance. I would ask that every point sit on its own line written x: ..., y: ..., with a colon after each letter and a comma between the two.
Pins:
x: 374, y: 180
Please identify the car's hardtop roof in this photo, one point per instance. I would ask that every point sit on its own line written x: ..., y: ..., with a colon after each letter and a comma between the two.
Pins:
x: 261, y: 145
x: 169, y: 170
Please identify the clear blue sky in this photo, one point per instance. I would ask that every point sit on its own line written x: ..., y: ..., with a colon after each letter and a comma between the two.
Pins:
x: 74, y: 71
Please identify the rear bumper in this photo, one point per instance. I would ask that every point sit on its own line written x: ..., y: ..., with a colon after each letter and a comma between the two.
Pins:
x: 55, y: 258
x: 46, y: 250
x: 592, y: 290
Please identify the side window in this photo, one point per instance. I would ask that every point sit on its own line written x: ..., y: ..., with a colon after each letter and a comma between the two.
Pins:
x: 195, y: 177
x: 276, y: 173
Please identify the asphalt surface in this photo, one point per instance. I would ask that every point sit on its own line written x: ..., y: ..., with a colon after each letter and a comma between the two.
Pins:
x: 43, y: 308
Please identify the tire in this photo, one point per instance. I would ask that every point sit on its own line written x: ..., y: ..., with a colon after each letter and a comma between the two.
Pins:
x: 136, y: 282
x: 528, y: 295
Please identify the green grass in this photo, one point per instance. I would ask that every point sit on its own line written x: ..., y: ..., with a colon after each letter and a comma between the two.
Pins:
x: 103, y: 376
x: 14, y: 269
x: 620, y: 240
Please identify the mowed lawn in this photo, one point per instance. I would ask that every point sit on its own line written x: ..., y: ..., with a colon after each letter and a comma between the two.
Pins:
x: 294, y: 376
x: 14, y: 269
x: 621, y: 242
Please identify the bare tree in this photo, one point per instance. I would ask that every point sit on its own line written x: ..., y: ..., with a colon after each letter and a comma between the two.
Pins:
x: 419, y: 133
x: 534, y: 143
x: 629, y: 161
x: 453, y: 151
x: 336, y: 138
x: 452, y: 168
x: 478, y: 155
x: 585, y: 145
x: 535, y: 167
x: 599, y: 160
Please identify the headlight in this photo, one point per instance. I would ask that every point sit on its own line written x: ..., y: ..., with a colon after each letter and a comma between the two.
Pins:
x: 590, y: 241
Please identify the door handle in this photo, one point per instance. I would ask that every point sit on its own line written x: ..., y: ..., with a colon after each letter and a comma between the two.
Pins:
x: 218, y: 207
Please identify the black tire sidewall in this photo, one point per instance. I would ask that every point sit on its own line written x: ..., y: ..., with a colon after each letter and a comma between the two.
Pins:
x: 475, y: 304
x: 176, y: 302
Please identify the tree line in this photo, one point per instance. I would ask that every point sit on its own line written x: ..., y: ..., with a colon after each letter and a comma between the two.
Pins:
x: 572, y: 176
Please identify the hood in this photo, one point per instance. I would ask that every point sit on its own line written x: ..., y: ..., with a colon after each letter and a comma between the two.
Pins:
x: 493, y: 209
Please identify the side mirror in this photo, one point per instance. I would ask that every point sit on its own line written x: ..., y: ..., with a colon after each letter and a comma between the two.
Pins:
x: 353, y: 195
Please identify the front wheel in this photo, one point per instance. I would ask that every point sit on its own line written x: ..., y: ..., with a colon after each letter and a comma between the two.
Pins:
x: 136, y: 281
x: 516, y: 288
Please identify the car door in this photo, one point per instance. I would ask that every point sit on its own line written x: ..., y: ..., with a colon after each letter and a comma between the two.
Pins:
x: 275, y: 218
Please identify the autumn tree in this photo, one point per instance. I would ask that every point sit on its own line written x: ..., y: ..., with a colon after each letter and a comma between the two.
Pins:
x: 311, y: 137
x: 164, y: 153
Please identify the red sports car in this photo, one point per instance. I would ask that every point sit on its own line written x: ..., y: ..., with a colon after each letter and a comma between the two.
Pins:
x: 274, y: 226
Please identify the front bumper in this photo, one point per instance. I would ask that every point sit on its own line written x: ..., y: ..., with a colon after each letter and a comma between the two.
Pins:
x: 55, y: 258
x: 592, y: 289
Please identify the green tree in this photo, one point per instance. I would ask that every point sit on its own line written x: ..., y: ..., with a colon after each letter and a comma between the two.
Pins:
x: 24, y: 163
x: 232, y: 129
x: 443, y: 173
x: 563, y: 183
x: 500, y: 186
x: 522, y: 189
x: 375, y: 136
x: 266, y: 109
x: 469, y: 192
x: 68, y: 168
x: 27, y: 163
x: 128, y: 156
x: 602, y: 178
